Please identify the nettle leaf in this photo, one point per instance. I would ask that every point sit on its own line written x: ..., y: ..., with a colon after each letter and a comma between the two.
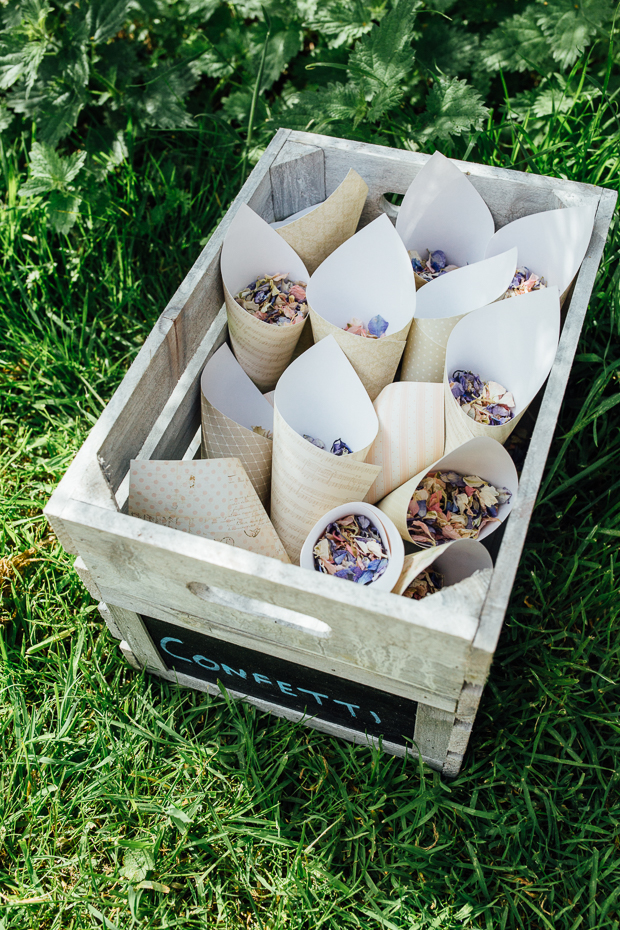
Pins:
x: 6, y: 117
x: 518, y: 44
x: 445, y: 48
x: 63, y: 210
x: 570, y: 27
x: 137, y: 863
x: 161, y: 101
x: 382, y: 61
x: 317, y: 109
x: 343, y: 23
x: 284, y: 43
x: 453, y: 108
x: 106, y: 18
x: 19, y: 59
x: 51, y: 171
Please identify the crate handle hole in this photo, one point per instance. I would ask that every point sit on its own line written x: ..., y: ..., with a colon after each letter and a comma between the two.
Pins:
x: 249, y: 605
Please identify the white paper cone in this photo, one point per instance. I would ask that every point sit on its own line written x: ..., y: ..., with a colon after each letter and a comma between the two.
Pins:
x: 370, y: 274
x: 528, y: 333
x: 551, y: 244
x: 443, y: 210
x: 455, y: 560
x: 321, y: 396
x: 445, y: 301
x: 318, y: 231
x: 390, y: 537
x: 482, y: 457
x: 411, y: 433
x: 231, y: 405
x: 252, y: 249
x: 207, y: 497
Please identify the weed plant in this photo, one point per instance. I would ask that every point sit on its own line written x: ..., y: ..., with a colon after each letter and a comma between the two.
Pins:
x: 126, y: 802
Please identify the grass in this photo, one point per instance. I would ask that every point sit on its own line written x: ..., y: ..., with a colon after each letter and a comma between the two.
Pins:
x: 126, y: 802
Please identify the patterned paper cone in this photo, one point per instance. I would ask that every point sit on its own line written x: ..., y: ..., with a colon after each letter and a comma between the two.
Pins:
x: 425, y: 352
x: 482, y: 457
x: 230, y: 405
x: 455, y: 560
x: 375, y: 360
x: 307, y: 481
x: 252, y: 249
x: 445, y: 301
x: 320, y: 231
x: 211, y: 498
x: 520, y: 363
x: 369, y: 275
x: 411, y: 433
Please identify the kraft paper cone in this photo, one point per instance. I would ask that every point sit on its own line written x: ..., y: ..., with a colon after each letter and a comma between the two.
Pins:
x: 390, y: 537
x: 482, y: 457
x: 520, y: 361
x: 444, y: 302
x: 455, y: 560
x: 551, y: 244
x: 252, y: 249
x: 321, y: 396
x: 207, y: 497
x: 231, y: 405
x: 443, y: 210
x: 317, y: 232
x: 411, y: 433
x: 370, y: 274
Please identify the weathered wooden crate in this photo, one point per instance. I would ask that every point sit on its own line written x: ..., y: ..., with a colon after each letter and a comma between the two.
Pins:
x: 352, y: 662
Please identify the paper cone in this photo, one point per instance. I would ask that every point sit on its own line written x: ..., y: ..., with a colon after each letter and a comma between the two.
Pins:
x: 520, y: 360
x: 207, y: 497
x: 551, y: 244
x: 444, y: 302
x: 443, y: 210
x: 455, y: 560
x: 230, y: 405
x: 411, y: 433
x: 370, y: 274
x: 252, y: 249
x: 321, y: 396
x: 316, y: 232
x: 482, y: 457
x: 390, y: 537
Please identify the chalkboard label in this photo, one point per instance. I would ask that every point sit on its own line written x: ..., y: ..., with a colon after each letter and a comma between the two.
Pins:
x: 317, y: 694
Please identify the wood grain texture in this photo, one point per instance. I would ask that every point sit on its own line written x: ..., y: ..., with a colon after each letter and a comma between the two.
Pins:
x: 297, y: 179
x: 134, y: 634
x: 106, y: 615
x: 86, y: 578
x: 433, y: 730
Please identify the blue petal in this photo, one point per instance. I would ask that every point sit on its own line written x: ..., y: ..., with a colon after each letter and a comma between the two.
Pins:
x: 377, y: 326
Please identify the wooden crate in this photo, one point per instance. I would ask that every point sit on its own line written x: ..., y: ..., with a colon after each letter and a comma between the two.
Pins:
x: 350, y: 661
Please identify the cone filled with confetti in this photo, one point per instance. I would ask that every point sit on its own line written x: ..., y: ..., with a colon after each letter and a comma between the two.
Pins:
x: 431, y: 570
x: 319, y: 230
x: 324, y: 425
x: 265, y: 291
x: 487, y: 393
x: 445, y: 301
x: 364, y: 296
x: 466, y: 494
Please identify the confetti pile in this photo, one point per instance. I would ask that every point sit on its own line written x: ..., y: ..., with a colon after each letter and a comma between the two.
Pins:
x: 434, y: 265
x: 427, y: 582
x: 446, y: 506
x: 338, y: 446
x: 376, y: 328
x: 351, y: 548
x: 524, y: 282
x: 275, y: 299
x: 484, y: 401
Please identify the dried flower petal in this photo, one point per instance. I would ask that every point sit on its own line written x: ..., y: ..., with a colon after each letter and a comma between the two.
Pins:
x: 427, y: 582
x: 339, y: 446
x: 267, y: 433
x: 524, y: 281
x: 275, y: 299
x: 485, y: 402
x: 351, y: 548
x: 452, y: 506
x: 431, y: 267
